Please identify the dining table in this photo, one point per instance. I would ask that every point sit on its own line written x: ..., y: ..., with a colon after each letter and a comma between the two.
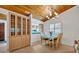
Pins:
x: 48, y: 37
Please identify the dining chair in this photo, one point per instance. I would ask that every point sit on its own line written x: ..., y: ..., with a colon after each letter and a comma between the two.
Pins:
x: 57, y: 41
x: 51, y: 42
x: 44, y: 39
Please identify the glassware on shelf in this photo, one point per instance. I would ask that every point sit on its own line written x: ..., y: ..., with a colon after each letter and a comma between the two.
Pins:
x: 18, y: 25
x: 24, y: 26
x: 12, y: 25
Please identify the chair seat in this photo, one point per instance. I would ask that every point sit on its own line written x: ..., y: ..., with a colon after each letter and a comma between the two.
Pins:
x: 51, y: 40
x: 55, y: 38
x: 45, y: 38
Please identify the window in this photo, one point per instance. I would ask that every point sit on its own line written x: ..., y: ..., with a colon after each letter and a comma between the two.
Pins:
x: 58, y: 28
x: 55, y: 28
x: 52, y: 28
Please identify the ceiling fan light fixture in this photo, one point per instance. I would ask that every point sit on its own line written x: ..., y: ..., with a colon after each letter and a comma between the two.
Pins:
x: 47, y: 17
x: 53, y: 18
x: 56, y: 13
x: 50, y: 14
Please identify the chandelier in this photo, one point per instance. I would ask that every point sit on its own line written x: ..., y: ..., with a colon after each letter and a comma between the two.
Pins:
x: 52, y: 13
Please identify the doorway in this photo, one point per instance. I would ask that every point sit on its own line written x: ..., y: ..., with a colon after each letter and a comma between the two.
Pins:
x: 2, y: 32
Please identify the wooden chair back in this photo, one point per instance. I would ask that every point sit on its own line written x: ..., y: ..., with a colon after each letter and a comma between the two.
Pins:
x: 60, y: 37
x: 58, y: 41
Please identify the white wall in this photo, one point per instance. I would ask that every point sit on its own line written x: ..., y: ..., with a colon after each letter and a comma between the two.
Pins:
x: 6, y: 21
x: 70, y: 20
x: 35, y: 37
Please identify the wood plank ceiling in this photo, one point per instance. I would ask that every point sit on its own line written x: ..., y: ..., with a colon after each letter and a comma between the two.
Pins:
x: 2, y: 16
x: 41, y: 12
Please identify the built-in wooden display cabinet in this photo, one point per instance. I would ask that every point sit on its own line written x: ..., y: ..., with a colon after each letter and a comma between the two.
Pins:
x: 17, y: 29
x: 18, y: 32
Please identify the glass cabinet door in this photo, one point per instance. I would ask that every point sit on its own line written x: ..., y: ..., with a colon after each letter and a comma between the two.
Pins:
x: 12, y: 25
x: 18, y: 25
x: 28, y: 26
x: 24, y: 26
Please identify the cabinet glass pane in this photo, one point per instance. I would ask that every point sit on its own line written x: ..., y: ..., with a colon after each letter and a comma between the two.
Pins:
x: 28, y: 26
x: 19, y: 25
x: 24, y: 26
x: 12, y: 25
